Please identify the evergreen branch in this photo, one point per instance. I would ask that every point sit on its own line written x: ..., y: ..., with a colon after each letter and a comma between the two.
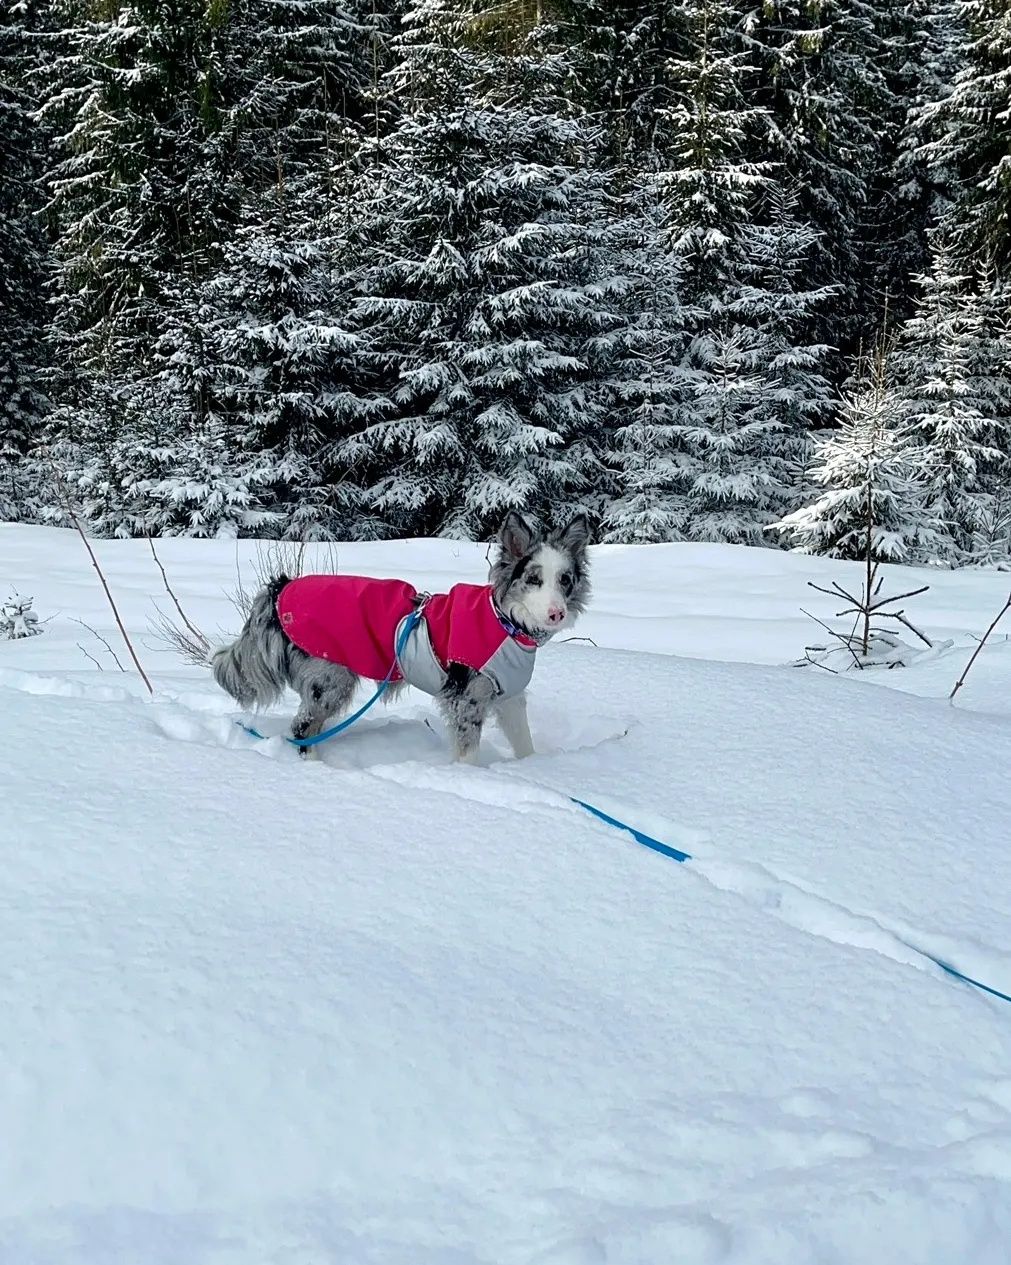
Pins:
x: 898, y: 597
x: 814, y: 662
x: 832, y: 633
x: 835, y: 591
x: 901, y: 617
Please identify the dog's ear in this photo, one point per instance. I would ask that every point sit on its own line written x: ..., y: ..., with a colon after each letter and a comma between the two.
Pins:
x: 516, y: 536
x: 574, y: 536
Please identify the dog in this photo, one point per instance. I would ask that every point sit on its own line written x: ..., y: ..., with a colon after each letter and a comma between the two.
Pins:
x: 473, y: 648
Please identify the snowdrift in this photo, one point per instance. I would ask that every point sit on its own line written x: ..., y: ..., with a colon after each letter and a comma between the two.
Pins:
x: 382, y: 1010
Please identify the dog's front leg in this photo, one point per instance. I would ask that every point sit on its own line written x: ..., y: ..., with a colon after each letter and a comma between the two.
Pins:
x: 511, y: 714
x: 464, y: 703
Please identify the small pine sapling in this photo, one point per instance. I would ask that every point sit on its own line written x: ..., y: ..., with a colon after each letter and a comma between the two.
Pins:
x: 17, y: 619
x: 991, y: 545
x: 871, y: 511
x: 867, y: 644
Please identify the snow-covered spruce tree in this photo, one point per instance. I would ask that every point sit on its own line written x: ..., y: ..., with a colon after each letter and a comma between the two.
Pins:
x: 482, y: 295
x: 740, y: 426
x: 190, y: 114
x: 268, y: 358
x: 967, y: 139
x: 958, y: 406
x: 140, y: 194
x: 263, y: 353
x: 873, y: 503
x: 618, y: 53
x: 650, y: 384
x: 23, y: 265
x: 908, y: 193
x: 192, y: 483
x: 834, y: 78
x: 778, y: 304
x: 991, y: 544
x: 968, y: 134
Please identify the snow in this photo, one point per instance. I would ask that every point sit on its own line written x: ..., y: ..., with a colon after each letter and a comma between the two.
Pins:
x: 384, y: 1010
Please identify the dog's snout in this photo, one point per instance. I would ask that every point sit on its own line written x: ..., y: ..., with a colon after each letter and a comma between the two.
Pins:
x: 556, y: 614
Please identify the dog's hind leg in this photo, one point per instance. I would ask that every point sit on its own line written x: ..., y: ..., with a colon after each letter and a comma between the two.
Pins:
x: 325, y: 690
x: 511, y: 714
x: 308, y: 722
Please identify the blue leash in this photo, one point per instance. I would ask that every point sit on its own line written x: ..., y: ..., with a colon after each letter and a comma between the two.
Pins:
x: 676, y: 855
x: 647, y: 841
x: 966, y: 979
x: 410, y: 623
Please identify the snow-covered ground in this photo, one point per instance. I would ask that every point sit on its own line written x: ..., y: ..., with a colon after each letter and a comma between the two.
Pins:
x: 381, y: 1010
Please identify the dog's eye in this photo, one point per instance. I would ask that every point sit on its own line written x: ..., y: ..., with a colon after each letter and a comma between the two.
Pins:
x: 534, y: 581
x: 565, y: 581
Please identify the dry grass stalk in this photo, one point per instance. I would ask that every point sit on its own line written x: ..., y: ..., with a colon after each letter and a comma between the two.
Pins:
x: 64, y: 497
x: 983, y: 640
x: 191, y: 629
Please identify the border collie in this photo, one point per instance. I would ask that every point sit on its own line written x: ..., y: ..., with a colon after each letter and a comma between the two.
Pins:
x: 472, y: 648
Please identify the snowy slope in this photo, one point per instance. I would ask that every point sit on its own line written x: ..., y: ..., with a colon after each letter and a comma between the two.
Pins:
x: 386, y: 1011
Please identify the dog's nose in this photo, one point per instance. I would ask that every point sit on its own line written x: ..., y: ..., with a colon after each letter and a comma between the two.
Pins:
x: 556, y: 614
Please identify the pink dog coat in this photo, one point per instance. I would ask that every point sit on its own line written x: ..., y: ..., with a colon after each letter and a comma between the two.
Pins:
x: 355, y: 621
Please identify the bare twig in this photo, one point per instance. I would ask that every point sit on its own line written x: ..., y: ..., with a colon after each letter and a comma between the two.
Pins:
x: 996, y: 620
x: 241, y: 599
x: 68, y: 508
x: 98, y: 636
x: 194, y: 649
x: 285, y: 557
x: 899, y: 615
x: 197, y: 635
x: 281, y: 557
x: 91, y: 657
x: 589, y: 639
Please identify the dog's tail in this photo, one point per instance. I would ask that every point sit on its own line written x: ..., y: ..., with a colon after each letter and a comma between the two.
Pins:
x: 253, y: 669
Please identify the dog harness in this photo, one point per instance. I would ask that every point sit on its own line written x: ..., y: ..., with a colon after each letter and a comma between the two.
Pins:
x: 355, y: 621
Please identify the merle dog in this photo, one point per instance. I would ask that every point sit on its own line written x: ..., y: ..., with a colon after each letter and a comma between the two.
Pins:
x: 538, y: 584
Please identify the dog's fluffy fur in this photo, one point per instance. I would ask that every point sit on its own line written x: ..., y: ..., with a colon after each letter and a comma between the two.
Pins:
x: 540, y: 583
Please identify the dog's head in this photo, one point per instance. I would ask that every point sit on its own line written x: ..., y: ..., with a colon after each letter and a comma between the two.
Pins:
x: 540, y: 580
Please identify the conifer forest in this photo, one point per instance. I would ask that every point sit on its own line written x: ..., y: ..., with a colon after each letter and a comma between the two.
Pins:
x: 708, y: 270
